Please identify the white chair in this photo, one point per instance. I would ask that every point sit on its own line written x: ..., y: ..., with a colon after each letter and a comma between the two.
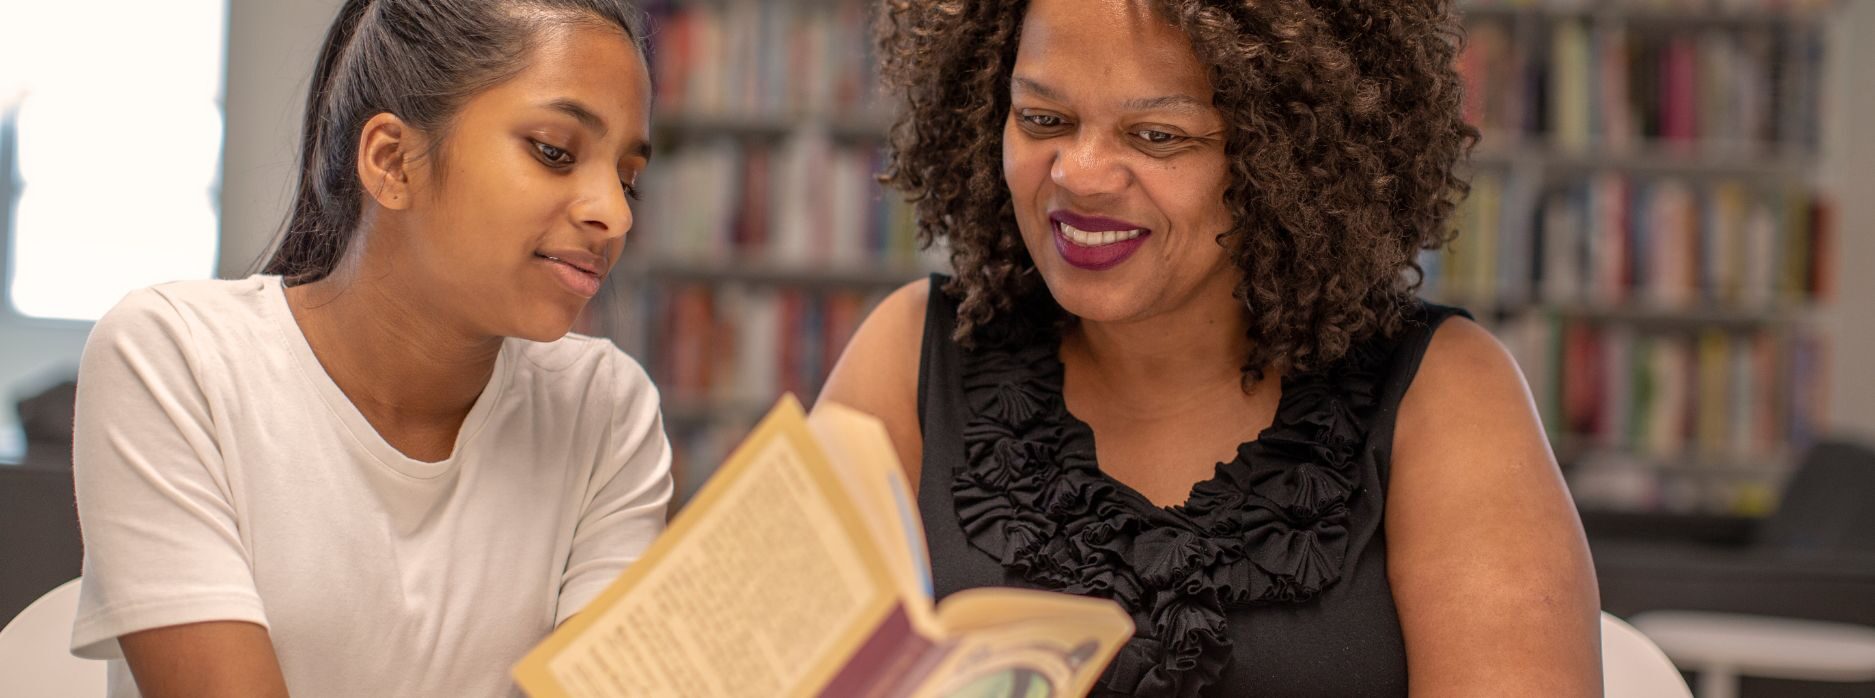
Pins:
x: 1633, y: 667
x: 35, y: 651
x: 1719, y: 648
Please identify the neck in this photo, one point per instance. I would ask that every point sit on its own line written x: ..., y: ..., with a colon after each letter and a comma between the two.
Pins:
x: 1158, y: 364
x: 387, y: 348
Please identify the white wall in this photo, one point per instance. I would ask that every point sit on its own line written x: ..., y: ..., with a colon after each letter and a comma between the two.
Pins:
x: 271, y: 48
x: 1849, y: 174
x: 272, y: 45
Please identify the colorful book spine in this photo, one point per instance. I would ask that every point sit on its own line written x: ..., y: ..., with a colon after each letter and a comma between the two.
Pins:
x: 737, y: 344
x: 805, y: 202
x: 761, y: 58
x: 1600, y: 84
x: 1660, y: 242
x: 1735, y: 404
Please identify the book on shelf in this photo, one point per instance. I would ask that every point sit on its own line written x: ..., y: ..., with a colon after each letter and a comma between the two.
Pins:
x: 761, y: 58
x: 1581, y: 82
x: 1747, y: 10
x: 1497, y: 83
x: 772, y: 236
x: 800, y: 571
x: 1670, y: 403
x: 719, y: 351
x: 1613, y: 240
x: 806, y: 202
x: 736, y: 343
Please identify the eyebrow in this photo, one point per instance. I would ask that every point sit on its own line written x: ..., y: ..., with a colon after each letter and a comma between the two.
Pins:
x: 579, y: 112
x: 573, y: 108
x: 1177, y: 102
x: 1040, y: 90
x: 1174, y: 102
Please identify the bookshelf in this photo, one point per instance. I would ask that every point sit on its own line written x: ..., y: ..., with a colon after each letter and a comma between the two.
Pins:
x: 1646, y: 233
x: 764, y: 238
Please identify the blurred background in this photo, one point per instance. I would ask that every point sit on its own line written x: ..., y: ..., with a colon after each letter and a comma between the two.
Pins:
x: 1672, y: 204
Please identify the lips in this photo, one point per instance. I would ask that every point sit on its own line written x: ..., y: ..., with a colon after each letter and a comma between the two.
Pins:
x: 584, y: 261
x: 578, y: 271
x: 1094, y: 224
x: 1095, y: 243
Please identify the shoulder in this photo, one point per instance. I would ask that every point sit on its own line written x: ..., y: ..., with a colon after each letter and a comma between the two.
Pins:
x: 900, y: 317
x: 1470, y: 446
x: 181, y: 305
x: 888, y: 342
x: 1464, y: 369
x: 1461, y: 348
x: 183, y: 321
x: 140, y: 314
x: 878, y: 371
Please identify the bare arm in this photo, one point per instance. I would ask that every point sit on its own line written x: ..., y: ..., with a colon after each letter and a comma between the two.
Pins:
x: 878, y: 372
x: 1485, y: 552
x: 231, y: 659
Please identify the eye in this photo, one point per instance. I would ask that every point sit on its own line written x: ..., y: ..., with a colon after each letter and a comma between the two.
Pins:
x: 631, y: 190
x: 1041, y: 120
x: 1157, y: 137
x: 554, y: 156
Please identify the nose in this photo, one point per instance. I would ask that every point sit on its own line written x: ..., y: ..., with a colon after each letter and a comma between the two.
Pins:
x: 602, y: 206
x: 1087, y: 166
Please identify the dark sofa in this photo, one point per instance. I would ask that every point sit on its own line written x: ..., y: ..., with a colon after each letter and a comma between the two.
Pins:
x: 39, y: 542
x: 1813, y: 559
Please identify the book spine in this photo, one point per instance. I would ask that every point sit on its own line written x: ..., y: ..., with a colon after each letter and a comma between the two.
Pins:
x: 750, y: 58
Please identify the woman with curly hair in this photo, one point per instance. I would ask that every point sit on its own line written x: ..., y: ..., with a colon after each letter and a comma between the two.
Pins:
x: 1180, y: 364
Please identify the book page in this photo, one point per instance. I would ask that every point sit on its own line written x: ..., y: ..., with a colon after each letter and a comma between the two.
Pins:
x: 860, y: 449
x: 765, y: 584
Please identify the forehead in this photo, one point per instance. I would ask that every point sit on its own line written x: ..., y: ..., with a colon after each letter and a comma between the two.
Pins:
x: 1120, y: 49
x: 594, y: 65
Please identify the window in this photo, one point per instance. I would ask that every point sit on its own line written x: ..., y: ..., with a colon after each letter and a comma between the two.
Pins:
x: 115, y: 111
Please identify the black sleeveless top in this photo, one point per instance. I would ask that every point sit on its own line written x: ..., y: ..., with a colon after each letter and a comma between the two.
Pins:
x: 1270, y: 580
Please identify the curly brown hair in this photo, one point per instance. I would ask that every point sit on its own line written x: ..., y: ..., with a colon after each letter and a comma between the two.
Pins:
x: 1344, y: 137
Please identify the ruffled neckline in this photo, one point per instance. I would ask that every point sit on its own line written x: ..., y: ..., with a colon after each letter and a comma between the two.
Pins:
x: 1270, y: 526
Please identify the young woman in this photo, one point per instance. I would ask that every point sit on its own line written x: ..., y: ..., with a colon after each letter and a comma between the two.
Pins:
x: 383, y: 467
x: 1180, y: 364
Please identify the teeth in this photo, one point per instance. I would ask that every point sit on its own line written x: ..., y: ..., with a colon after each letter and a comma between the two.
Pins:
x: 1087, y: 239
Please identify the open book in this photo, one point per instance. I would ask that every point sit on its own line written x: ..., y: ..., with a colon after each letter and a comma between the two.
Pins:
x: 800, y: 570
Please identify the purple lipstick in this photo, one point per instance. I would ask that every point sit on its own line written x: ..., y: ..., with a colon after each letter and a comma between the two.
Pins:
x: 1095, y: 243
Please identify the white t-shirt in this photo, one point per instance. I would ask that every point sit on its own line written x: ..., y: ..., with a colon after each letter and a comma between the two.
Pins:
x: 222, y: 475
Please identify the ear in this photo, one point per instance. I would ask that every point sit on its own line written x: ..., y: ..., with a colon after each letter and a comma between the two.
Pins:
x: 387, y: 149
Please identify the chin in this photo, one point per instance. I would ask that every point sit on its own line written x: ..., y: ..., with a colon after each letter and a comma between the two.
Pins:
x: 546, y: 326
x: 1095, y: 296
x: 544, y: 336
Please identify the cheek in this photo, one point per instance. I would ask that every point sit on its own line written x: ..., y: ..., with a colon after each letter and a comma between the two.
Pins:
x: 1219, y: 181
x: 1200, y: 195
x: 1011, y: 162
x: 1025, y: 166
x: 497, y: 204
x: 1190, y: 195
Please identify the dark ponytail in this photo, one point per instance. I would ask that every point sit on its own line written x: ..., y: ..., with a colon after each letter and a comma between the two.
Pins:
x: 311, y: 245
x: 419, y: 60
